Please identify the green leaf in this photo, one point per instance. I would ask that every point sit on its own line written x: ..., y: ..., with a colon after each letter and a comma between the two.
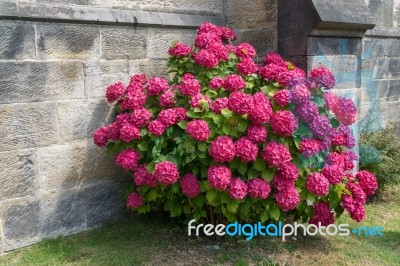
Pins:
x: 142, y: 146
x: 151, y: 166
x: 211, y: 195
x: 182, y: 124
x: 226, y: 129
x: 242, y: 126
x: 226, y: 113
x: 268, y: 174
x: 242, y: 169
x: 251, y: 173
x: 152, y: 195
x: 192, y: 114
x: 232, y: 206
x: 202, y: 146
x: 275, y: 212
x: 219, y: 119
x: 259, y: 165
x: 334, y: 122
x: 264, y: 215
x: 169, y: 205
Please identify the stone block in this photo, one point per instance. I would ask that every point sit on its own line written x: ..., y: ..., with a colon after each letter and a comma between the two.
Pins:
x: 100, y: 74
x: 382, y: 12
x: 264, y: 40
x: 79, y: 119
x: 68, y: 41
x: 393, y: 69
x: 17, y: 41
x: 28, y: 125
x: 160, y: 40
x: 148, y: 67
x: 38, y: 81
x: 397, y: 18
x: 393, y: 114
x: 374, y: 68
x: 123, y: 43
x: 252, y: 14
x: 19, y: 178
x: 21, y: 222
x: 8, y: 8
x: 62, y: 212
x: 392, y: 47
x: 334, y: 46
x: 389, y: 89
x: 104, y: 202
x: 347, y: 69
x: 68, y: 166
x: 373, y: 47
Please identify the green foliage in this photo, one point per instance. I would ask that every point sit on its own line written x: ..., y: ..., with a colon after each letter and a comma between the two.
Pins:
x: 380, y: 154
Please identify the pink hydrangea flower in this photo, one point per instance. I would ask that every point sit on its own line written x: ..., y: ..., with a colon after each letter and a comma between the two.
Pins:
x: 129, y: 132
x: 282, y: 97
x: 271, y: 72
x: 156, y: 127
x: 204, y: 39
x: 367, y: 182
x: 216, y: 83
x: 234, y: 82
x: 198, y: 130
x: 180, y: 114
x: 100, y: 136
x: 114, y: 92
x: 157, y: 85
x: 167, y: 117
x: 258, y: 188
x: 322, y: 214
x: 134, y: 200
x: 282, y: 184
x: 219, y: 50
x: 331, y: 101
x: 190, y: 185
x: 317, y: 184
x: 196, y: 100
x: 310, y: 147
x: 346, y: 112
x: 276, y: 154
x: 333, y: 173
x: 284, y: 123
x: 322, y: 77
x: 246, y: 150
x: 306, y: 111
x: 274, y: 58
x: 219, y: 104
x: 300, y: 93
x: 222, y: 149
x: 206, y: 59
x: 320, y: 126
x: 240, y: 102
x: 256, y: 133
x: 134, y: 99
x: 287, y: 199
x: 113, y: 131
x: 167, y: 98
x: 180, y: 49
x: 190, y: 86
x: 261, y: 110
x: 128, y: 159
x: 245, y: 50
x: 139, y: 78
x: 237, y: 189
x: 219, y: 177
x: 142, y: 177
x: 247, y: 66
x: 227, y: 34
x: 140, y: 117
x: 166, y: 173
x: 207, y: 27
x: 288, y: 171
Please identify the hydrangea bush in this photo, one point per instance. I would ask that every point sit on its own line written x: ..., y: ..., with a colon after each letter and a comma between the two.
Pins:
x: 227, y: 139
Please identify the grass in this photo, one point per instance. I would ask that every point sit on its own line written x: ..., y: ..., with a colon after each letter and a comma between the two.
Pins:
x: 152, y: 240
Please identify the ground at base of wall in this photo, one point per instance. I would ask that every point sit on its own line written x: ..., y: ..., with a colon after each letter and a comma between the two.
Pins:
x: 146, y: 240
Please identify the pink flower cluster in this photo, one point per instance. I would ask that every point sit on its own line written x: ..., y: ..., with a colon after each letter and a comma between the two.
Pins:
x: 284, y: 123
x: 166, y: 173
x: 219, y: 177
x: 222, y: 149
x: 128, y: 159
x: 322, y: 214
x: 198, y: 130
x: 276, y: 154
x: 134, y: 200
x: 190, y: 185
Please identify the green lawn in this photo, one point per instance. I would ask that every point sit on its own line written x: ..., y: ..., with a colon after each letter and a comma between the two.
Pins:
x: 154, y: 241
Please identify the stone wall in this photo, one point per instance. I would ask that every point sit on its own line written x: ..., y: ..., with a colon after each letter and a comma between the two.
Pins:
x: 56, y: 59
